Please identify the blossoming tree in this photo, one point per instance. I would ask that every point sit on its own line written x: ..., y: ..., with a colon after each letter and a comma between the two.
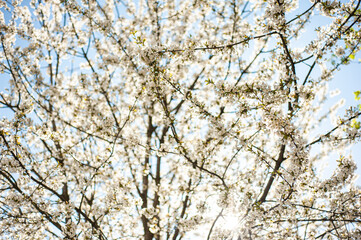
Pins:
x: 174, y: 120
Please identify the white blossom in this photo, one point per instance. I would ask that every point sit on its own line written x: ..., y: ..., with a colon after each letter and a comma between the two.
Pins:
x: 176, y: 119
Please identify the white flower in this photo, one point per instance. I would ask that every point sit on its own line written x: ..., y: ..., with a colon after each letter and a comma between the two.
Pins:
x: 339, y: 51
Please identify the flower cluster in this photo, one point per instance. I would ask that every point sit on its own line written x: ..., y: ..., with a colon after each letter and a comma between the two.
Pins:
x: 171, y: 119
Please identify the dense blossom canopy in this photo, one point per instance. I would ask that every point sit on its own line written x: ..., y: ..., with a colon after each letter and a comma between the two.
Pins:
x: 176, y: 119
